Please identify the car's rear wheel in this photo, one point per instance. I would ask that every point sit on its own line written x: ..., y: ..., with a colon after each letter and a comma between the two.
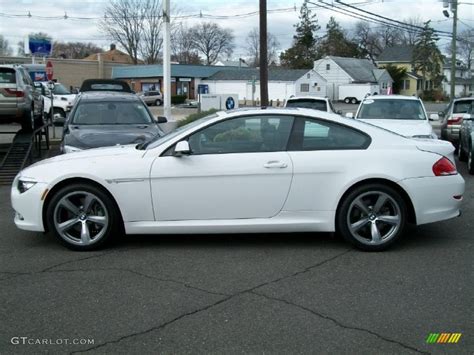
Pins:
x: 158, y: 102
x: 470, y: 162
x: 28, y: 122
x: 372, y: 217
x: 83, y: 217
x: 462, y: 156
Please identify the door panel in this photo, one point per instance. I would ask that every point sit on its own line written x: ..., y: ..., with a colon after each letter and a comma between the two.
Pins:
x: 220, y: 186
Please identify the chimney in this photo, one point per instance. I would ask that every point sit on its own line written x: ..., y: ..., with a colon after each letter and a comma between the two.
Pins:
x: 112, y: 46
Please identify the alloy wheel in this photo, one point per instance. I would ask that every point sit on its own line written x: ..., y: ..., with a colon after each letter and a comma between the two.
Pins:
x: 374, y: 218
x: 81, y: 218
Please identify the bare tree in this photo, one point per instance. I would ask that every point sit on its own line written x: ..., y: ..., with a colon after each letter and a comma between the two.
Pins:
x: 124, y: 23
x: 367, y: 40
x: 464, y: 47
x: 182, y: 46
x: 74, y: 50
x: 212, y: 41
x: 409, y: 37
x: 253, y: 47
x: 152, y: 39
x: 5, y: 48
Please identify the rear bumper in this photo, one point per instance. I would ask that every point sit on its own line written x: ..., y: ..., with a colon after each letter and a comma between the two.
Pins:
x: 433, y: 198
x: 451, y: 133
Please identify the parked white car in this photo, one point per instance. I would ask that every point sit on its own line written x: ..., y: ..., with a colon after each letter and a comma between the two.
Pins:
x: 312, y: 102
x: 63, y: 101
x: 245, y: 171
x: 405, y: 115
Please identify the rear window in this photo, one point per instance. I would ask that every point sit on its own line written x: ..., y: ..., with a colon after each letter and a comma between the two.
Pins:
x: 308, y: 103
x: 111, y: 113
x: 464, y: 106
x: 391, y: 109
x: 7, y: 76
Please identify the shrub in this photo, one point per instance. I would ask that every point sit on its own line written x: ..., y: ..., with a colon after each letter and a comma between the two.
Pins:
x: 196, y: 116
x: 178, y: 99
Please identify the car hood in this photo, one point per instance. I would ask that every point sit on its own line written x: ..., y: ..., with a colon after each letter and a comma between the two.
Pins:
x: 407, y: 128
x: 92, y: 136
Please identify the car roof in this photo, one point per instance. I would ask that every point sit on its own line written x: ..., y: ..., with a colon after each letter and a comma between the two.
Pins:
x: 108, y: 95
x: 464, y: 99
x: 308, y: 97
x: 88, y: 83
x: 392, y: 97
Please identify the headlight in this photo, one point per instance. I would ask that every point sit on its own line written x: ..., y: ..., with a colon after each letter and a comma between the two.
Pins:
x: 24, y: 184
x: 70, y: 149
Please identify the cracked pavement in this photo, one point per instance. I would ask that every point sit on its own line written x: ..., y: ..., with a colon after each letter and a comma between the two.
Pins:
x: 280, y: 293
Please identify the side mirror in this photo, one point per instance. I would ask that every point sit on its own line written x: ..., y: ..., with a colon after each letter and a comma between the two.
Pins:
x: 350, y: 115
x: 182, y: 148
x: 434, y: 117
x: 161, y: 119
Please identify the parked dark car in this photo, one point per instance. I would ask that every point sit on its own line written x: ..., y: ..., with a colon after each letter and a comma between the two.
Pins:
x: 100, y: 119
x: 466, y: 135
x: 105, y: 85
x: 20, y: 100
x: 452, y: 118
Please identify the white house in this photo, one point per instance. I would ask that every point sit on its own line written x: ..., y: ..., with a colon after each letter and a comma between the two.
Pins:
x: 282, y: 83
x: 464, y: 81
x: 340, y: 70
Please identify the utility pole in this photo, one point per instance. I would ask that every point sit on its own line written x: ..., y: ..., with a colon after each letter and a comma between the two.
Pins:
x: 263, y: 54
x: 454, y: 9
x: 166, y: 60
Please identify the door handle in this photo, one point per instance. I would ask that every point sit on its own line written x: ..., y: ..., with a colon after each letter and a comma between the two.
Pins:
x: 275, y: 164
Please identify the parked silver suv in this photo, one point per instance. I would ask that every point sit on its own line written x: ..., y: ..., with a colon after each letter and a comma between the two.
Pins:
x: 20, y: 101
x: 152, y: 97
x: 452, y: 118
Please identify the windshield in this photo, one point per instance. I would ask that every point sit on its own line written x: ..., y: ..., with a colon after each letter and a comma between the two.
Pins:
x: 111, y: 113
x: 391, y: 109
x: 60, y: 89
x: 464, y: 106
x: 308, y: 103
x: 163, y: 139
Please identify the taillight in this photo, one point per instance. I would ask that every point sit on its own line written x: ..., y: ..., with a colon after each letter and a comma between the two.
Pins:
x: 454, y: 120
x: 14, y: 92
x: 444, y: 167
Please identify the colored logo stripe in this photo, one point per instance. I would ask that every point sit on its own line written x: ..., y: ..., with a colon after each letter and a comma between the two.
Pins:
x: 443, y: 338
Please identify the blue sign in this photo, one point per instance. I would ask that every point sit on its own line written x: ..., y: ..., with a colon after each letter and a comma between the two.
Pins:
x: 203, y: 89
x: 230, y: 103
x: 41, y: 46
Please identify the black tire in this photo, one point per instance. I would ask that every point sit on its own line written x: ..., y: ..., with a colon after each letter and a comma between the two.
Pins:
x: 470, y: 160
x: 39, y: 120
x: 462, y: 155
x: 28, y: 121
x: 367, y: 194
x: 158, y: 102
x: 347, y: 100
x: 353, y: 101
x: 104, y: 207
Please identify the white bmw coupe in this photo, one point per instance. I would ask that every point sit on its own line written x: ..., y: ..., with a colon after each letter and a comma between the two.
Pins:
x: 259, y: 170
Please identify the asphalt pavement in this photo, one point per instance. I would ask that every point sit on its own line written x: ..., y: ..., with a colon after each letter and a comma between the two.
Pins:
x: 229, y: 294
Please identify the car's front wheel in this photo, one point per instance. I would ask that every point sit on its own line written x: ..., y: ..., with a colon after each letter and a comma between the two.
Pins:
x: 372, y: 217
x: 83, y: 217
x: 158, y: 102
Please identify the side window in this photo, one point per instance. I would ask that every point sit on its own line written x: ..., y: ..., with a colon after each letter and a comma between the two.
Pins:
x: 304, y: 87
x: 249, y: 134
x: 314, y: 134
x: 26, y: 77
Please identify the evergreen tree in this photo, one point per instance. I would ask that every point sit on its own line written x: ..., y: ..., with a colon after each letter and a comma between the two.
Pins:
x: 303, y: 52
x: 397, y: 74
x: 336, y: 43
x: 427, y: 57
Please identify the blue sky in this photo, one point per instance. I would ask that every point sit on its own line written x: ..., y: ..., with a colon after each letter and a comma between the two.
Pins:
x: 280, y: 24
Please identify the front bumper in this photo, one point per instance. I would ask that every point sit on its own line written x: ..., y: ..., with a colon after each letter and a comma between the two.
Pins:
x: 433, y: 198
x: 28, y: 206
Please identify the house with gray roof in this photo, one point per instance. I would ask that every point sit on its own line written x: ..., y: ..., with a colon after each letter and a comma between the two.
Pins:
x: 282, y: 83
x: 342, y: 71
